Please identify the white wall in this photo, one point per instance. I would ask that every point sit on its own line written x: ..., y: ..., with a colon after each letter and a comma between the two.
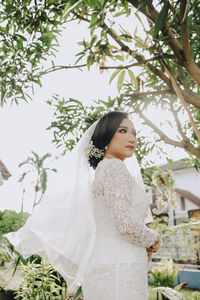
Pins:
x: 188, y: 204
x: 188, y: 179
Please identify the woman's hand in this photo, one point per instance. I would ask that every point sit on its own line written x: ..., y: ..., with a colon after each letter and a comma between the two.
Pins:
x: 156, y: 245
x: 149, y: 254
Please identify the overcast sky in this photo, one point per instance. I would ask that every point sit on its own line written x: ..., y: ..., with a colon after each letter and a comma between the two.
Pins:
x: 23, y: 127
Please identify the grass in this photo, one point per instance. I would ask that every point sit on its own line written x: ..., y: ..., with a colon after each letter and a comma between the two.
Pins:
x: 186, y: 292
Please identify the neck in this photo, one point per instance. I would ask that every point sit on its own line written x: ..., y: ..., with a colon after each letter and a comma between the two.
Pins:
x: 109, y: 156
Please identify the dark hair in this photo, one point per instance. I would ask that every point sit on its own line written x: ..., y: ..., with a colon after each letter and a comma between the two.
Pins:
x: 104, y: 131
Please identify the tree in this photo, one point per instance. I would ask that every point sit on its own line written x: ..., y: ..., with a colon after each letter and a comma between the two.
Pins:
x: 36, y: 168
x: 167, y: 57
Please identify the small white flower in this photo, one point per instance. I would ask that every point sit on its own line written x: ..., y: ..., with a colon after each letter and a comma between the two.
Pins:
x: 91, y: 150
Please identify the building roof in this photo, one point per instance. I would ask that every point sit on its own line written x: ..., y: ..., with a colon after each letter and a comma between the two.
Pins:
x: 189, y: 196
x: 4, y: 171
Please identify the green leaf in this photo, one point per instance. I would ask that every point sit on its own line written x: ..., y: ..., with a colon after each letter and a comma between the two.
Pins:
x: 125, y: 37
x: 133, y: 79
x: 94, y: 21
x: 44, y: 181
x: 90, y: 61
x: 78, y: 293
x: 120, y: 80
x: 161, y: 18
x: 143, y: 3
x: 118, y: 14
x: 114, y: 75
x: 3, y: 94
x: 13, y: 83
x: 47, y: 37
x: 120, y: 57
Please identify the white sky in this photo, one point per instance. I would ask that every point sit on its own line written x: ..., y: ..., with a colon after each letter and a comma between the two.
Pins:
x: 23, y: 127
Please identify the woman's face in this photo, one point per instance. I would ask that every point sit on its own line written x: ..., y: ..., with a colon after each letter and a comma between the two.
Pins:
x: 124, y: 141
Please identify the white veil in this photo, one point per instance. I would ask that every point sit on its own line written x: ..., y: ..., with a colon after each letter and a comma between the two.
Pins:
x: 62, y: 230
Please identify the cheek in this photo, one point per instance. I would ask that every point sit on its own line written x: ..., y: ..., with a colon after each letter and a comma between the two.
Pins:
x: 118, y: 138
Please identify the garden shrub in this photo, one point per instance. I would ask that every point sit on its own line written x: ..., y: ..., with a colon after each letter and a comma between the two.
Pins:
x: 41, y: 281
x: 11, y: 220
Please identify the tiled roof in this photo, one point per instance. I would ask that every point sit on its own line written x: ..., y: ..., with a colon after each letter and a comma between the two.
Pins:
x: 189, y: 196
x: 4, y: 171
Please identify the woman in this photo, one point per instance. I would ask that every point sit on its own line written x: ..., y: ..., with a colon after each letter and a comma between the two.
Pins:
x: 117, y: 268
x: 96, y: 238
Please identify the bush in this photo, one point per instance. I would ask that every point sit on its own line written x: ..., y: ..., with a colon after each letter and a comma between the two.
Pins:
x: 41, y: 281
x: 164, y: 275
x: 11, y: 220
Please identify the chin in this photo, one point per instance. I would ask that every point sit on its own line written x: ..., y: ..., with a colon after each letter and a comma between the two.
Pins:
x: 128, y: 155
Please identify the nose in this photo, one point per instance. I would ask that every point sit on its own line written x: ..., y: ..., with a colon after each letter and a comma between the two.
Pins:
x: 132, y: 138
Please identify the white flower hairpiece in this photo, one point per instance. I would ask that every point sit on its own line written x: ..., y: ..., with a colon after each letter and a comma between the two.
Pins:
x: 91, y: 150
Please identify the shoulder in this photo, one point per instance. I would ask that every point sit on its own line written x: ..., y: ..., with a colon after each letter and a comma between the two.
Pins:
x: 113, y: 172
x: 113, y: 165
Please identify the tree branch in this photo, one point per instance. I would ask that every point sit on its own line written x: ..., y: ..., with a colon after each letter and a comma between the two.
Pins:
x: 143, y: 94
x: 152, y: 15
x: 161, y: 134
x: 183, y: 144
x: 190, y: 66
x: 184, y: 32
x: 139, y: 58
x: 131, y: 65
x: 58, y: 68
x: 190, y: 97
x: 80, y: 17
x: 178, y: 123
x: 180, y: 96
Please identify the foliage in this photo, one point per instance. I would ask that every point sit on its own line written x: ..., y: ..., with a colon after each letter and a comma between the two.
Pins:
x: 181, y: 243
x: 72, y: 118
x: 40, y: 281
x: 164, y: 274
x: 160, y: 224
x: 165, y: 39
x: 11, y: 220
x: 6, y: 254
x: 36, y: 167
x: 195, y: 296
x: 28, y: 33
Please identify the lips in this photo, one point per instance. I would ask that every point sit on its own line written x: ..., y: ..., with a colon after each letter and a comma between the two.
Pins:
x: 130, y: 147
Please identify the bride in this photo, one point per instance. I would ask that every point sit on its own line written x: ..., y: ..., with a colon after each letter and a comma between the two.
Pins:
x: 94, y: 233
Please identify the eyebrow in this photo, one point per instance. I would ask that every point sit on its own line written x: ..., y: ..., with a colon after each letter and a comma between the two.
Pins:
x: 127, y: 128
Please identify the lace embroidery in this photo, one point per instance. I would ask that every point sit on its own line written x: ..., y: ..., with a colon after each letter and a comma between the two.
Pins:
x: 127, y: 211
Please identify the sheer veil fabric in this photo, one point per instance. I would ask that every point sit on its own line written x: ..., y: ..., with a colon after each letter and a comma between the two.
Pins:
x: 62, y: 230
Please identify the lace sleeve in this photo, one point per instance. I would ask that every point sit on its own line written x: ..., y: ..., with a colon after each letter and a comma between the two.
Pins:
x: 118, y: 192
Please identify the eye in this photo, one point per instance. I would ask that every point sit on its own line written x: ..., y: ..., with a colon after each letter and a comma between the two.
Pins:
x: 123, y: 130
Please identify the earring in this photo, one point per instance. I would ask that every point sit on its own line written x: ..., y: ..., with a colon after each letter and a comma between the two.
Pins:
x: 106, y: 147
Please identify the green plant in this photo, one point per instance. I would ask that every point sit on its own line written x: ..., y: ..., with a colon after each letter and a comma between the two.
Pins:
x: 40, y: 281
x: 6, y: 252
x: 165, y: 274
x: 195, y: 296
x: 10, y: 220
x: 160, y: 224
x: 36, y: 167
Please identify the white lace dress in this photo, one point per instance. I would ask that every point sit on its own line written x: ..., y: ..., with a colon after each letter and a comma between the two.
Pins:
x: 117, y: 268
